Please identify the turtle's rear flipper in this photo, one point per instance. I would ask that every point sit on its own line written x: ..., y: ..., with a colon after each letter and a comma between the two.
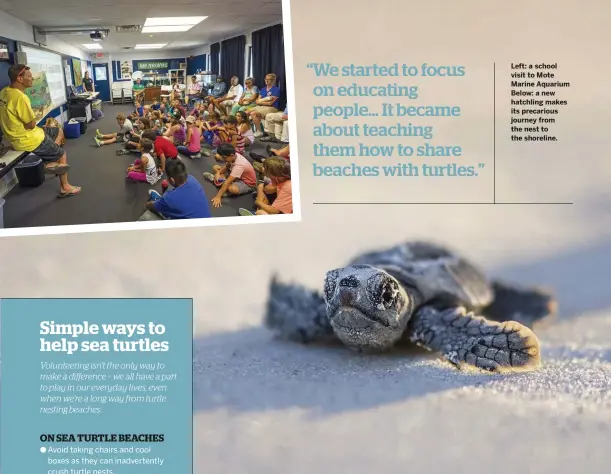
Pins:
x: 527, y: 305
x: 464, y: 338
x: 297, y: 314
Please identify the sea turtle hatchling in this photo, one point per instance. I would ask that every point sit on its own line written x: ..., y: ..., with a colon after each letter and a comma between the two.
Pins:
x: 419, y: 292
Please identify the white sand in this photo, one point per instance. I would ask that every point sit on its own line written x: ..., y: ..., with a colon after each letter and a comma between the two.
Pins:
x: 270, y: 407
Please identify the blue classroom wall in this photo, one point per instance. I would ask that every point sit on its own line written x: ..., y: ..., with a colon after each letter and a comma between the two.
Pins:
x: 196, y: 62
x: 5, y: 65
x: 116, y: 68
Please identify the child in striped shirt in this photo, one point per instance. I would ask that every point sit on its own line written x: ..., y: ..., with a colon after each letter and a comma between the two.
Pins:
x: 229, y: 134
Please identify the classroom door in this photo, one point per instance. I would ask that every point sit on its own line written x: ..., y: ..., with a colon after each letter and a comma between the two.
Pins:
x: 100, y: 79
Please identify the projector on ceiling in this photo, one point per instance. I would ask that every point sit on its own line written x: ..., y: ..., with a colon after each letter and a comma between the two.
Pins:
x: 97, y: 35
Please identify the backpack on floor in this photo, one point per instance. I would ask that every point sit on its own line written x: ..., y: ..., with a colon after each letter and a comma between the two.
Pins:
x: 97, y: 114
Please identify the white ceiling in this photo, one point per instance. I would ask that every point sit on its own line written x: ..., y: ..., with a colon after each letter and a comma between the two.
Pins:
x: 226, y: 18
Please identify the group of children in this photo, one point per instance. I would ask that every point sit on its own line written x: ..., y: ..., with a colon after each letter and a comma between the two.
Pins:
x: 163, y: 130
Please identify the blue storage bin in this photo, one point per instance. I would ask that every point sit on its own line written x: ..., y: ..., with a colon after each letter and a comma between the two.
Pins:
x: 72, y: 130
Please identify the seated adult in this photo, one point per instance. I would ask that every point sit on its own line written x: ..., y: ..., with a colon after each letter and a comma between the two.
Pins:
x: 225, y: 103
x: 176, y: 90
x: 18, y: 121
x: 267, y: 103
x: 186, y: 201
x: 164, y: 149
x: 218, y: 90
x: 247, y: 100
x: 193, y: 90
x: 138, y: 90
x: 277, y: 127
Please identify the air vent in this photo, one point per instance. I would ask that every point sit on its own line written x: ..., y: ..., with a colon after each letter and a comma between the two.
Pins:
x: 129, y: 28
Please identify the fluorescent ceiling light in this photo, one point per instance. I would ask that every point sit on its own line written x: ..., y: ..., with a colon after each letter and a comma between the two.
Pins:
x: 93, y: 46
x: 166, y: 29
x: 175, y: 21
x: 150, y: 46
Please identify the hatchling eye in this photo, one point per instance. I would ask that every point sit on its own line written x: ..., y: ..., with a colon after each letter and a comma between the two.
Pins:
x: 330, y: 283
x: 383, y: 291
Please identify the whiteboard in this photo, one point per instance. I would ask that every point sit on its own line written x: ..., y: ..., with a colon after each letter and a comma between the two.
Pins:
x: 52, y: 64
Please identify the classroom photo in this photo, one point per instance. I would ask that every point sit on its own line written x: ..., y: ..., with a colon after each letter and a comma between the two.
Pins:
x: 143, y: 113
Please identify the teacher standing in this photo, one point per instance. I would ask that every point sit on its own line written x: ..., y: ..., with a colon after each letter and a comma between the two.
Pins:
x: 18, y: 122
x: 88, y: 83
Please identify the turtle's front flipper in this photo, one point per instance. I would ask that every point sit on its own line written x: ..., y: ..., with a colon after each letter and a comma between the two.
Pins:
x: 526, y: 305
x: 297, y: 314
x: 464, y: 338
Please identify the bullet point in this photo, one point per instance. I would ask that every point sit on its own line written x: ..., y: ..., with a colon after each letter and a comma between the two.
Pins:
x: 43, y: 450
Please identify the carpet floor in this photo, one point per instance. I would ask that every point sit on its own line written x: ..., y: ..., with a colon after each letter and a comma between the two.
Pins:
x: 107, y: 197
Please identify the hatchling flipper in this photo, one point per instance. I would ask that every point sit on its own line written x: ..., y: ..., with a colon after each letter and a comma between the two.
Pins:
x: 529, y: 306
x: 296, y: 313
x: 464, y: 338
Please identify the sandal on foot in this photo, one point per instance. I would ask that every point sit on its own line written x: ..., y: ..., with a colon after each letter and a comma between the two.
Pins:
x: 73, y: 191
x: 57, y: 170
x: 244, y: 212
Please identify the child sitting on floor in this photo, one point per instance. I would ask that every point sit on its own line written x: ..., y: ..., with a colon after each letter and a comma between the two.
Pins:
x: 156, y: 122
x: 210, y: 128
x: 164, y: 149
x: 155, y: 105
x: 176, y: 131
x: 126, y: 129
x: 277, y: 196
x: 186, y: 201
x: 138, y: 112
x: 236, y: 177
x: 244, y: 127
x: 163, y: 106
x: 192, y: 144
x: 144, y: 170
x: 132, y: 145
x: 228, y: 133
x: 194, y: 112
x: 177, y: 107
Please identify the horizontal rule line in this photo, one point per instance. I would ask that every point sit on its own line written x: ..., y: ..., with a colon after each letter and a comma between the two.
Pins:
x: 444, y: 203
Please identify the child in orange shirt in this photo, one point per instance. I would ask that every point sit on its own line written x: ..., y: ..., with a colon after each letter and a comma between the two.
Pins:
x: 278, y: 170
